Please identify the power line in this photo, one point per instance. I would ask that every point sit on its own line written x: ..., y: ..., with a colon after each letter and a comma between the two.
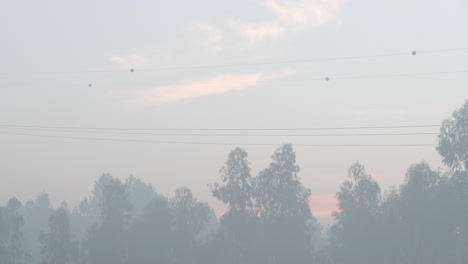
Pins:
x: 226, y: 135
x: 443, y: 50
x: 222, y: 144
x: 222, y: 129
x: 328, y: 78
x: 305, y: 60
x: 275, y: 62
x: 132, y: 70
x: 397, y: 75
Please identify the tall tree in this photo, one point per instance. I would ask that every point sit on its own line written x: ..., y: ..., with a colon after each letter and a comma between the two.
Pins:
x: 88, y: 211
x: 279, y: 191
x: 453, y: 147
x: 427, y: 215
x: 36, y: 214
x: 236, y: 188
x: 453, y: 139
x: 190, y: 217
x: 139, y: 194
x: 282, y: 203
x: 11, y: 251
x: 457, y: 211
x: 354, y: 233
x: 237, y: 239
x: 150, y: 234
x: 57, y: 246
x: 106, y: 240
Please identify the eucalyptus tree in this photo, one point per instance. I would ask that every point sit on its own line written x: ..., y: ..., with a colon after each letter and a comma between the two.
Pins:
x: 106, y: 242
x: 237, y: 240
x: 57, y: 245
x: 355, y: 232
x: 453, y: 139
x: 150, y: 234
x: 189, y: 218
x: 282, y: 203
x: 11, y: 236
x: 36, y: 215
x: 236, y: 189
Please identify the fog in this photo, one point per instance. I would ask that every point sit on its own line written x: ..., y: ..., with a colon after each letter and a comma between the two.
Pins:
x: 269, y: 220
x: 247, y: 131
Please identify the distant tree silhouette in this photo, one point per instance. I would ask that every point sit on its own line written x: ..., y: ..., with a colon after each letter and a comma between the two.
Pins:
x: 282, y: 203
x: 57, y: 246
x: 190, y: 217
x: 453, y: 139
x: 139, y: 194
x: 11, y: 237
x: 453, y: 147
x: 421, y: 214
x: 88, y: 211
x: 36, y: 215
x: 355, y: 231
x: 82, y: 218
x: 269, y: 221
x: 106, y: 241
x: 236, y: 189
x: 238, y: 238
x: 96, y: 199
x: 150, y: 234
x: 456, y: 211
x: 278, y: 189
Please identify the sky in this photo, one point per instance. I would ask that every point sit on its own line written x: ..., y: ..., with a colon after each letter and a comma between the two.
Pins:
x: 222, y: 64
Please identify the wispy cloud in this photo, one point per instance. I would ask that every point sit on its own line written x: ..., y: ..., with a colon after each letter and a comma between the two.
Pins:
x: 129, y: 60
x: 256, y: 32
x: 290, y: 15
x: 303, y: 13
x: 216, y: 85
x: 208, y: 35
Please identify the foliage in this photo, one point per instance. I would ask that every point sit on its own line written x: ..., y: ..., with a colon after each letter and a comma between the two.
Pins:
x: 453, y: 139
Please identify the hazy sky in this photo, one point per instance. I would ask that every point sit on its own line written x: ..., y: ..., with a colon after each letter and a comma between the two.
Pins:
x: 52, y: 50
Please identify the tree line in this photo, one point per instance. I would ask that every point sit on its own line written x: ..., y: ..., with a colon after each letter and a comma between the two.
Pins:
x: 268, y: 218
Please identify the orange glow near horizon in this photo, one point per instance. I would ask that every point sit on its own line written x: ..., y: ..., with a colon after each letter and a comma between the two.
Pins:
x: 320, y: 205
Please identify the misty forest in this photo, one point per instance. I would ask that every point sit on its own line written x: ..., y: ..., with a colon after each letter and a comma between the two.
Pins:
x: 268, y: 217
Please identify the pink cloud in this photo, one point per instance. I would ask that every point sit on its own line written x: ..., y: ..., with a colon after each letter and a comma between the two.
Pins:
x: 216, y: 85
x: 207, y: 35
x: 129, y: 60
x: 290, y: 15
x: 303, y: 13
x: 257, y: 32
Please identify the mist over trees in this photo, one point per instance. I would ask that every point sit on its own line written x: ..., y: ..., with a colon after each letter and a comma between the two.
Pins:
x: 268, y: 218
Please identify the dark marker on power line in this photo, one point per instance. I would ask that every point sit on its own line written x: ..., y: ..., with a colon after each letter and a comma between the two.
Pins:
x: 132, y: 70
x: 327, y: 79
x: 89, y: 85
x: 414, y: 52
